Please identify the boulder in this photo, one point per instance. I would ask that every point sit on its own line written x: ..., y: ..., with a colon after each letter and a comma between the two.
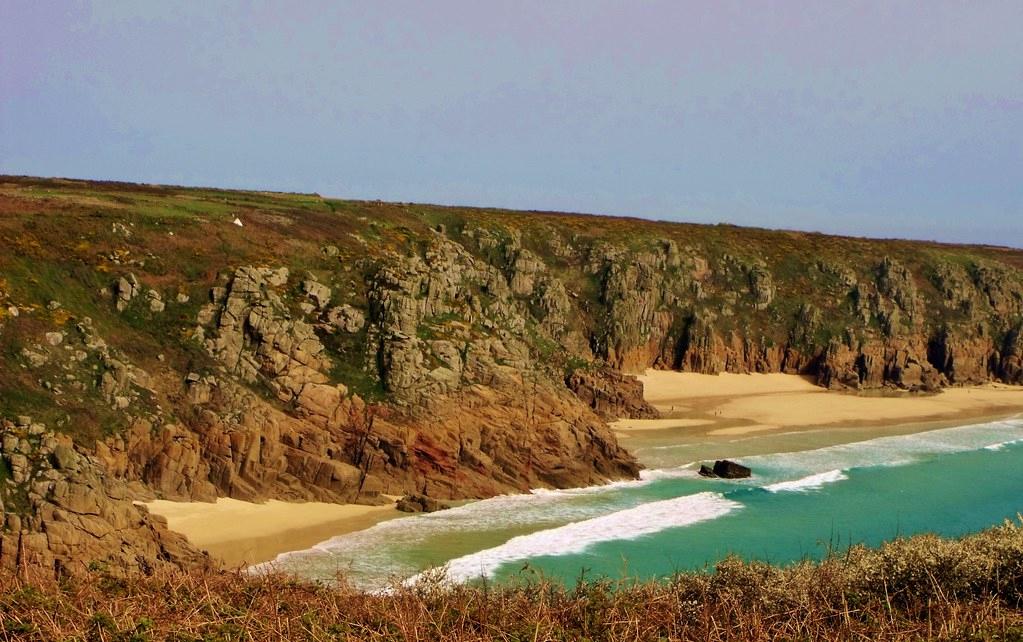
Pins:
x: 416, y: 503
x: 156, y: 303
x: 725, y: 469
x: 64, y: 457
x: 126, y: 289
x: 318, y: 292
x: 347, y: 318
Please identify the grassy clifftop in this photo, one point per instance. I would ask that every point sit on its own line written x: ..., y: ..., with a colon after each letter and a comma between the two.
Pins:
x: 584, y: 289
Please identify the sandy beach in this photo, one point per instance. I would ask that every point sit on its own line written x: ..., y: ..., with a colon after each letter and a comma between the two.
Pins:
x: 735, y: 404
x: 244, y: 533
x: 707, y: 410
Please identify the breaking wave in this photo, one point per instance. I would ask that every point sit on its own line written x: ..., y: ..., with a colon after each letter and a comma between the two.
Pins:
x: 811, y: 482
x: 564, y: 522
x: 576, y: 537
x: 1003, y: 444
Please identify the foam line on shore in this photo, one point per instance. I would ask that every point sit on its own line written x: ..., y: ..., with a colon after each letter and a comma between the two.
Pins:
x: 500, y: 521
x: 896, y: 449
x: 1003, y: 444
x: 576, y: 537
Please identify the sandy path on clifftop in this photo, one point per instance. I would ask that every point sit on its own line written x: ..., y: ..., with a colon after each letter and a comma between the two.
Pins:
x: 243, y: 533
x: 734, y: 404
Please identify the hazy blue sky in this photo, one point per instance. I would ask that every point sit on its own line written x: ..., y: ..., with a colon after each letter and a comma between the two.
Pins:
x: 881, y: 119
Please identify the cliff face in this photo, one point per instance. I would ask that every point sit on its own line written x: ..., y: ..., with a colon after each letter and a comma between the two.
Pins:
x: 863, y: 324
x: 339, y: 351
x: 58, y: 510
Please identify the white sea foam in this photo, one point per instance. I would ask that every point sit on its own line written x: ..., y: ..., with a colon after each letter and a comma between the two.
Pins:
x: 587, y: 490
x: 565, y: 520
x: 376, y: 551
x: 811, y: 482
x: 887, y: 451
x: 1003, y: 444
x: 576, y: 537
x: 678, y: 472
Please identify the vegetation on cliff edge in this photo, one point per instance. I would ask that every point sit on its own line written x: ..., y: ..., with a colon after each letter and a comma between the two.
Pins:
x: 918, y: 588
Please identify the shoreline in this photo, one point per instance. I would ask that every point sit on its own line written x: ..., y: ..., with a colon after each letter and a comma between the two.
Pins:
x: 241, y: 534
x: 731, y: 405
x: 710, y: 410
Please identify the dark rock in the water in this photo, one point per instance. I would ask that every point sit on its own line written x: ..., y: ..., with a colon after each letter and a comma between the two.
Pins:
x: 725, y: 469
x: 730, y: 469
x: 420, y: 504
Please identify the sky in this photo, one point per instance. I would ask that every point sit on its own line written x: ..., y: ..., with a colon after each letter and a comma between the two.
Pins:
x: 883, y: 119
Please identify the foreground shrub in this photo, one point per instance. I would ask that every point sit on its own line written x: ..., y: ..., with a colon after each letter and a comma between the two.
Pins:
x: 917, y: 588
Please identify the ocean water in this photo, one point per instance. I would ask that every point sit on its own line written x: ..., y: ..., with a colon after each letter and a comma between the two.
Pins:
x: 808, y: 494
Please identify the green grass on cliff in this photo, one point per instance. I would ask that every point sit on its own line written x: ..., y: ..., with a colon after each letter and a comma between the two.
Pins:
x: 69, y: 241
x: 922, y: 588
x: 349, y: 365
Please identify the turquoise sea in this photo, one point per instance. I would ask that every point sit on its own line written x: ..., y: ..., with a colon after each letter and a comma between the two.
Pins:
x: 811, y: 491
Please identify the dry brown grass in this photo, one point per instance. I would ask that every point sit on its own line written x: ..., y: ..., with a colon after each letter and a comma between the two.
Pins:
x: 918, y: 588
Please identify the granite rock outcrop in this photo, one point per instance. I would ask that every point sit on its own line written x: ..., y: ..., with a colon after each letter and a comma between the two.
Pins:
x: 58, y: 510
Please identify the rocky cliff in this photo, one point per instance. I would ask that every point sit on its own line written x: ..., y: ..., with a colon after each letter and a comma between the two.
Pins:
x: 339, y: 351
x: 58, y: 510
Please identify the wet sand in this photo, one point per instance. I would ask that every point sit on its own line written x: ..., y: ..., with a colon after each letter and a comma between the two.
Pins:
x: 731, y: 404
x: 706, y: 417
x: 243, y: 533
